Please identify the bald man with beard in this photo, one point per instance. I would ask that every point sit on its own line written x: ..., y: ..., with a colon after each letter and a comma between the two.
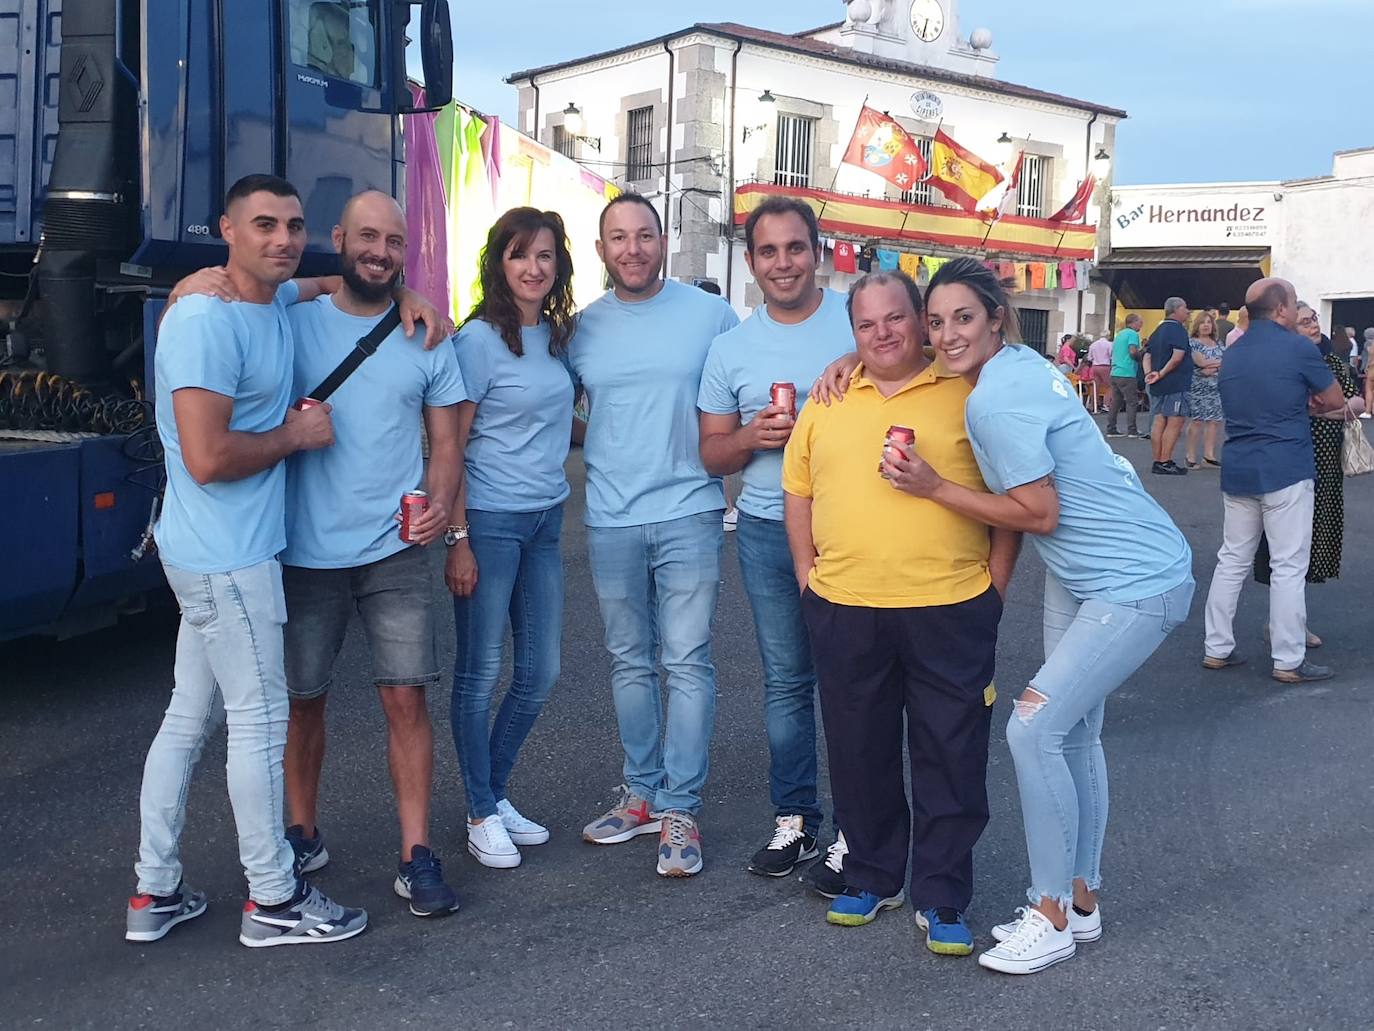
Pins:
x: 1271, y: 379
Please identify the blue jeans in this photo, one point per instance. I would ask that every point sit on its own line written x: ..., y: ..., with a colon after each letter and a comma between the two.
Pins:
x: 789, y: 680
x: 228, y: 664
x: 520, y: 577
x: 660, y: 582
x: 1091, y: 647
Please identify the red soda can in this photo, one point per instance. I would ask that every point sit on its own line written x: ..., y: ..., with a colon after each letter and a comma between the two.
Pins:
x: 306, y: 403
x: 414, y: 503
x: 904, y: 435
x: 784, y: 395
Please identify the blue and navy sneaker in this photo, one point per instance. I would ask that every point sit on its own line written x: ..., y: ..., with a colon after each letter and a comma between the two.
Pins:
x: 946, y: 932
x: 310, y: 853
x: 856, y: 907
x: 422, y: 882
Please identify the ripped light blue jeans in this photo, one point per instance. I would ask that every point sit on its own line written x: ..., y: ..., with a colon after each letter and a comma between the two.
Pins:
x: 1091, y: 647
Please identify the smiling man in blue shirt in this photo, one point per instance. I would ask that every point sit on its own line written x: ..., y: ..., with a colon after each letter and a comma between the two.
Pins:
x: 654, y: 531
x: 791, y: 338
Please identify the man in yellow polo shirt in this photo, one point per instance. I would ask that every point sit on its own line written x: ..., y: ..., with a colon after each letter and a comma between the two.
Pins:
x: 902, y: 600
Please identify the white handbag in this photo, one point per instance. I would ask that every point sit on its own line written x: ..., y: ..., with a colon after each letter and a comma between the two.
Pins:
x: 1357, y: 455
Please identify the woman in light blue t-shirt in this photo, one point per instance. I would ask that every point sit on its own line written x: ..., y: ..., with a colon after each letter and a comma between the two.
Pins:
x: 504, y: 563
x: 1118, y: 580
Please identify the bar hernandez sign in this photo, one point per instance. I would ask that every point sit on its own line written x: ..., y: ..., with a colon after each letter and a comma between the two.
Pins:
x: 1142, y: 217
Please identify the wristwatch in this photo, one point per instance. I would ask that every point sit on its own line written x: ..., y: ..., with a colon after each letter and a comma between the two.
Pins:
x: 454, y: 534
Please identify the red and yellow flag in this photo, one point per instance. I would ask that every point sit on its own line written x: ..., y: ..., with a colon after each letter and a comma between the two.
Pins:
x: 884, y: 148
x: 961, y: 175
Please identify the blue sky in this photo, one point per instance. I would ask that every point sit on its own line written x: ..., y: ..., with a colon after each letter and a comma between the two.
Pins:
x: 1216, y: 90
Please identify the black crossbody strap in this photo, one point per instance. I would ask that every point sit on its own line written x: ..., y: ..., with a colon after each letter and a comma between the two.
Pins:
x: 366, y: 347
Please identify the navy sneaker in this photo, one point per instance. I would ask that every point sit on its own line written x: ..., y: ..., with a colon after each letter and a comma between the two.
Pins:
x: 310, y: 853
x: 946, y: 932
x: 310, y: 918
x: 857, y: 907
x: 149, y: 917
x: 422, y: 882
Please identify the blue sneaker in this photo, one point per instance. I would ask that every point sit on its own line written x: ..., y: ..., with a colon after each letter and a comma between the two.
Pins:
x: 310, y: 853
x: 946, y: 932
x: 856, y: 907
x: 422, y: 882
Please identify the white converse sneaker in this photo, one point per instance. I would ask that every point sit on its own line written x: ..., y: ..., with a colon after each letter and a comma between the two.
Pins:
x: 490, y: 844
x: 521, y: 830
x: 1085, y: 928
x: 1033, y: 946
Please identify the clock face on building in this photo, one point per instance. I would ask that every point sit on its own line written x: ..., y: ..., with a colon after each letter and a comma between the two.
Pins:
x: 927, y: 20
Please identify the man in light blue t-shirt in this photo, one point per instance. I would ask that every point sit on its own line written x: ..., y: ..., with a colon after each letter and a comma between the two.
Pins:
x: 654, y: 532
x: 344, y: 551
x: 789, y: 339
x: 223, y: 387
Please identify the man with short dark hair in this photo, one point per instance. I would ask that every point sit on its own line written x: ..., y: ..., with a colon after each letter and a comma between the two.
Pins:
x: 1270, y: 380
x: 223, y: 386
x: 903, y: 623
x: 1224, y: 323
x: 654, y: 533
x: 789, y: 339
x: 1169, y: 375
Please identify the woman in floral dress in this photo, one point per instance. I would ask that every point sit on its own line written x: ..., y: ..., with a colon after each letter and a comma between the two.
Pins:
x: 1204, y: 398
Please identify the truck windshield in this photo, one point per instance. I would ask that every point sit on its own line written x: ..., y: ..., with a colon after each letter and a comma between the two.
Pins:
x: 338, y: 38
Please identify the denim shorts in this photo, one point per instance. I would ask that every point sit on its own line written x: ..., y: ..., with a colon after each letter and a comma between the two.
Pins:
x: 1170, y: 406
x: 393, y: 597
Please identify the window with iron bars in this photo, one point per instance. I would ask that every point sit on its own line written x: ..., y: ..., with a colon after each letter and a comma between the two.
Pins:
x: 1030, y: 190
x: 921, y: 193
x: 1035, y: 327
x: 639, y: 151
x: 564, y: 142
x: 796, y: 136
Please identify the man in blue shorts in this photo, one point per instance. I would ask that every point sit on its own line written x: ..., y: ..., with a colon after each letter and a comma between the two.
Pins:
x: 1168, y: 366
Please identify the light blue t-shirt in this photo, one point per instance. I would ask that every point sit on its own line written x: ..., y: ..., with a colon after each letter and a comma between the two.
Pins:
x: 242, y: 351
x: 523, y: 426
x: 1113, y: 542
x: 641, y: 366
x: 746, y: 361
x: 340, y: 500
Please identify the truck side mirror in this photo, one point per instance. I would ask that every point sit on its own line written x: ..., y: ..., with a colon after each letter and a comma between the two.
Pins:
x: 436, y: 57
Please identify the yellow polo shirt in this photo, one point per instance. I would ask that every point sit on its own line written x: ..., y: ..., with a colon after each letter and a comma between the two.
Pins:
x: 877, y: 546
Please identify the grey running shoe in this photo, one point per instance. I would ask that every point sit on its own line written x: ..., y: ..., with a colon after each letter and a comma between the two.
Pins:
x: 310, y: 919
x: 1307, y: 673
x: 679, y: 846
x: 310, y: 853
x: 628, y: 818
x: 150, y: 917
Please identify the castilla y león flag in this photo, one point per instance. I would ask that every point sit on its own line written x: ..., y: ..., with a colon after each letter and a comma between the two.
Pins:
x: 1077, y: 207
x: 961, y: 175
x: 883, y: 147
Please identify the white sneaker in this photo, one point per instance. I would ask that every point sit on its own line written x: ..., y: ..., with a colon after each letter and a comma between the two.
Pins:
x: 521, y: 830
x: 1033, y: 946
x: 1085, y: 928
x: 730, y: 520
x: 490, y: 844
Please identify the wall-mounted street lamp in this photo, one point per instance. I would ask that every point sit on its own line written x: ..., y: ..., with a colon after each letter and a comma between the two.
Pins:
x: 574, y: 123
x: 1102, y: 163
x: 766, y: 97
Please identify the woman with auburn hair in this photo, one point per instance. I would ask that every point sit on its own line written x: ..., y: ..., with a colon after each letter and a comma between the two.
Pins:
x: 1204, y: 396
x: 503, y: 560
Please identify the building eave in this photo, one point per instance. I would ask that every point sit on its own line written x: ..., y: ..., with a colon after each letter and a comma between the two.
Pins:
x: 805, y: 46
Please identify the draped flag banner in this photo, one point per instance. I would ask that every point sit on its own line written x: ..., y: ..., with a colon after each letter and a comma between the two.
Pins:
x: 1002, y: 198
x: 961, y: 175
x: 1076, y: 210
x: 883, y: 147
x: 882, y: 220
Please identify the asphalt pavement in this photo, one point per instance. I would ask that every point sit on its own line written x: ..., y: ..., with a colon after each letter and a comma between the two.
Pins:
x: 1239, y: 866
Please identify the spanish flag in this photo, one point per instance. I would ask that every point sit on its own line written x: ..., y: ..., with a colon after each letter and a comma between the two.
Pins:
x: 961, y: 175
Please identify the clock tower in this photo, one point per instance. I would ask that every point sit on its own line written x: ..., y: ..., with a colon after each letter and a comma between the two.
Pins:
x: 924, y: 32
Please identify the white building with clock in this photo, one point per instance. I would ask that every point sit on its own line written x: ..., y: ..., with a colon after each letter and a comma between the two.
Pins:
x: 709, y: 119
